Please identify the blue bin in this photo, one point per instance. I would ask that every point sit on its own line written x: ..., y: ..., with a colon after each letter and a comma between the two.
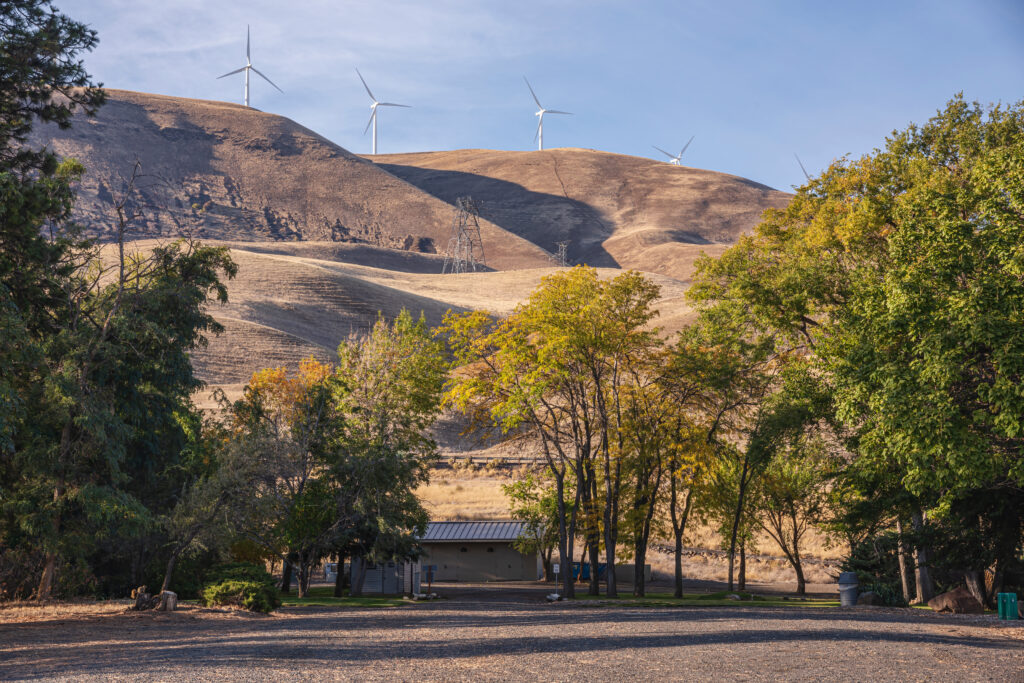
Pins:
x: 583, y: 574
x: 1007, y: 603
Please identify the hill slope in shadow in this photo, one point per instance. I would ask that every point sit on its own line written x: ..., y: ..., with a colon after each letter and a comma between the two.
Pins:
x: 613, y: 210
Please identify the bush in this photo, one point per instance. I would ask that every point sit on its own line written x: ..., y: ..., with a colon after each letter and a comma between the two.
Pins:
x: 891, y: 595
x: 877, y: 565
x: 250, y: 595
x: 239, y: 571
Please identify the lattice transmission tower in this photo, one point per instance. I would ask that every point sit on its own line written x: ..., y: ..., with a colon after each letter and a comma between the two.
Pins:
x: 562, y: 256
x: 465, y: 250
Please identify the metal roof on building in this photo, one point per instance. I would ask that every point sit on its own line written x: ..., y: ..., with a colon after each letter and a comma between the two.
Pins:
x: 442, y: 532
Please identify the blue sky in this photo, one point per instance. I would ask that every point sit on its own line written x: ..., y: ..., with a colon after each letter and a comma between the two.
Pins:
x: 755, y: 82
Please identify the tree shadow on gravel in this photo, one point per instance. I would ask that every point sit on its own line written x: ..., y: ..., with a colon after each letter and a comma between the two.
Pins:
x: 324, y: 638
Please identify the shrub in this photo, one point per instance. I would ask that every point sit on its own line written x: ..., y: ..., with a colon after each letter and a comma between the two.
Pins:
x: 239, y: 571
x: 877, y: 565
x: 891, y: 595
x: 250, y: 595
x: 495, y: 464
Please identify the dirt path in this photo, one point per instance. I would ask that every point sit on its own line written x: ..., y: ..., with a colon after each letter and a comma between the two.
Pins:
x: 499, y: 639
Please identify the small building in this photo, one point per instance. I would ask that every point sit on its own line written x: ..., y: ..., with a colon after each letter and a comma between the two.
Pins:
x: 393, y: 577
x: 478, y: 551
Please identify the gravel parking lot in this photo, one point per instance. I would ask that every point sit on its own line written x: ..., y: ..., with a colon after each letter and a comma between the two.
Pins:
x: 513, y: 635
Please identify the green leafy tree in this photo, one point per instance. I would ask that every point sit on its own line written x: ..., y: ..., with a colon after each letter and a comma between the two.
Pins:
x: 532, y: 500
x: 900, y: 272
x: 556, y: 369
x: 289, y: 425
x: 390, y: 384
x: 789, y: 497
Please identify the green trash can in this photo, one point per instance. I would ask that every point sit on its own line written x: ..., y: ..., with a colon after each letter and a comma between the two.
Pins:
x: 1007, y: 603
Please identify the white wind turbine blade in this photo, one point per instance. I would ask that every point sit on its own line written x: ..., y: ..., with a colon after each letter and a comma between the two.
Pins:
x: 366, y: 86
x: 670, y: 156
x: 368, y: 123
x: 266, y: 79
x: 392, y: 104
x: 686, y: 146
x: 555, y: 111
x: 539, y: 105
x: 806, y: 175
x: 248, y: 57
x: 232, y: 73
x: 540, y: 123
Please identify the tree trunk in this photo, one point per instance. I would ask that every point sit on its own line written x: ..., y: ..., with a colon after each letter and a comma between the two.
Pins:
x: 997, y: 585
x: 742, y: 583
x: 611, y: 528
x: 639, y: 582
x: 643, y: 535
x: 611, y: 583
x: 303, y: 575
x: 736, y: 520
x: 678, y: 583
x: 339, y: 578
x: 168, y: 571
x: 901, y: 554
x: 358, y: 578
x: 975, y: 581
x: 678, y: 529
x: 286, y: 577
x: 801, y: 584
x: 45, y: 589
x: 564, y: 543
x: 594, y: 548
x: 593, y: 532
x: 922, y: 575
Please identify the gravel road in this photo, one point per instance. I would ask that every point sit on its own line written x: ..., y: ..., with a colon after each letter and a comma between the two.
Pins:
x: 501, y: 635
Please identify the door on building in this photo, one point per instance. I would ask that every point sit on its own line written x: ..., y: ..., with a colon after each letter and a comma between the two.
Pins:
x: 389, y: 579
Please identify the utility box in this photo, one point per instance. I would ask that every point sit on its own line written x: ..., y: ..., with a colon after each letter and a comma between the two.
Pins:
x: 1007, y: 603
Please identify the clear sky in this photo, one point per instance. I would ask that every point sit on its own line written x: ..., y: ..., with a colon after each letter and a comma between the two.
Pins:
x: 754, y: 81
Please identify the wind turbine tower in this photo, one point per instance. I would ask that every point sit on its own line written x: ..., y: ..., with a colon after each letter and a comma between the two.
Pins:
x: 373, y: 111
x: 806, y: 175
x: 249, y: 67
x: 675, y: 160
x: 539, y: 137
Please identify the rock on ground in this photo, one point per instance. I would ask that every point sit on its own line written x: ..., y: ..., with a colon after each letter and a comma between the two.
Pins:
x: 958, y: 601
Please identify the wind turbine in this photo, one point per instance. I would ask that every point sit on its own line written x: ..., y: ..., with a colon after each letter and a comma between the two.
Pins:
x: 373, y: 111
x: 539, y: 137
x: 806, y: 175
x: 675, y: 159
x: 249, y: 67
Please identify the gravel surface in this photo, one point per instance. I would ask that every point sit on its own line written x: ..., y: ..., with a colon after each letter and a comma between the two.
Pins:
x: 512, y: 635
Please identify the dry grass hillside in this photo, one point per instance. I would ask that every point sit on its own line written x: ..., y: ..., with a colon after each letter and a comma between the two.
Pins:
x: 293, y: 300
x: 223, y: 171
x: 614, y: 210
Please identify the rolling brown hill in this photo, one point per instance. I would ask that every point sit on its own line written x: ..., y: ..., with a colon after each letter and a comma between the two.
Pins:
x: 327, y: 240
x: 614, y: 210
x: 222, y: 171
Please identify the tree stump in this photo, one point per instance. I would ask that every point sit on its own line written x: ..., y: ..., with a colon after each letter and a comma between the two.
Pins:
x: 168, y: 601
x: 144, y: 600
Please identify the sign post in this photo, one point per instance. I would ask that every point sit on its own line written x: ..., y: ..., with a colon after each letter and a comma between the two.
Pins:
x: 431, y: 568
